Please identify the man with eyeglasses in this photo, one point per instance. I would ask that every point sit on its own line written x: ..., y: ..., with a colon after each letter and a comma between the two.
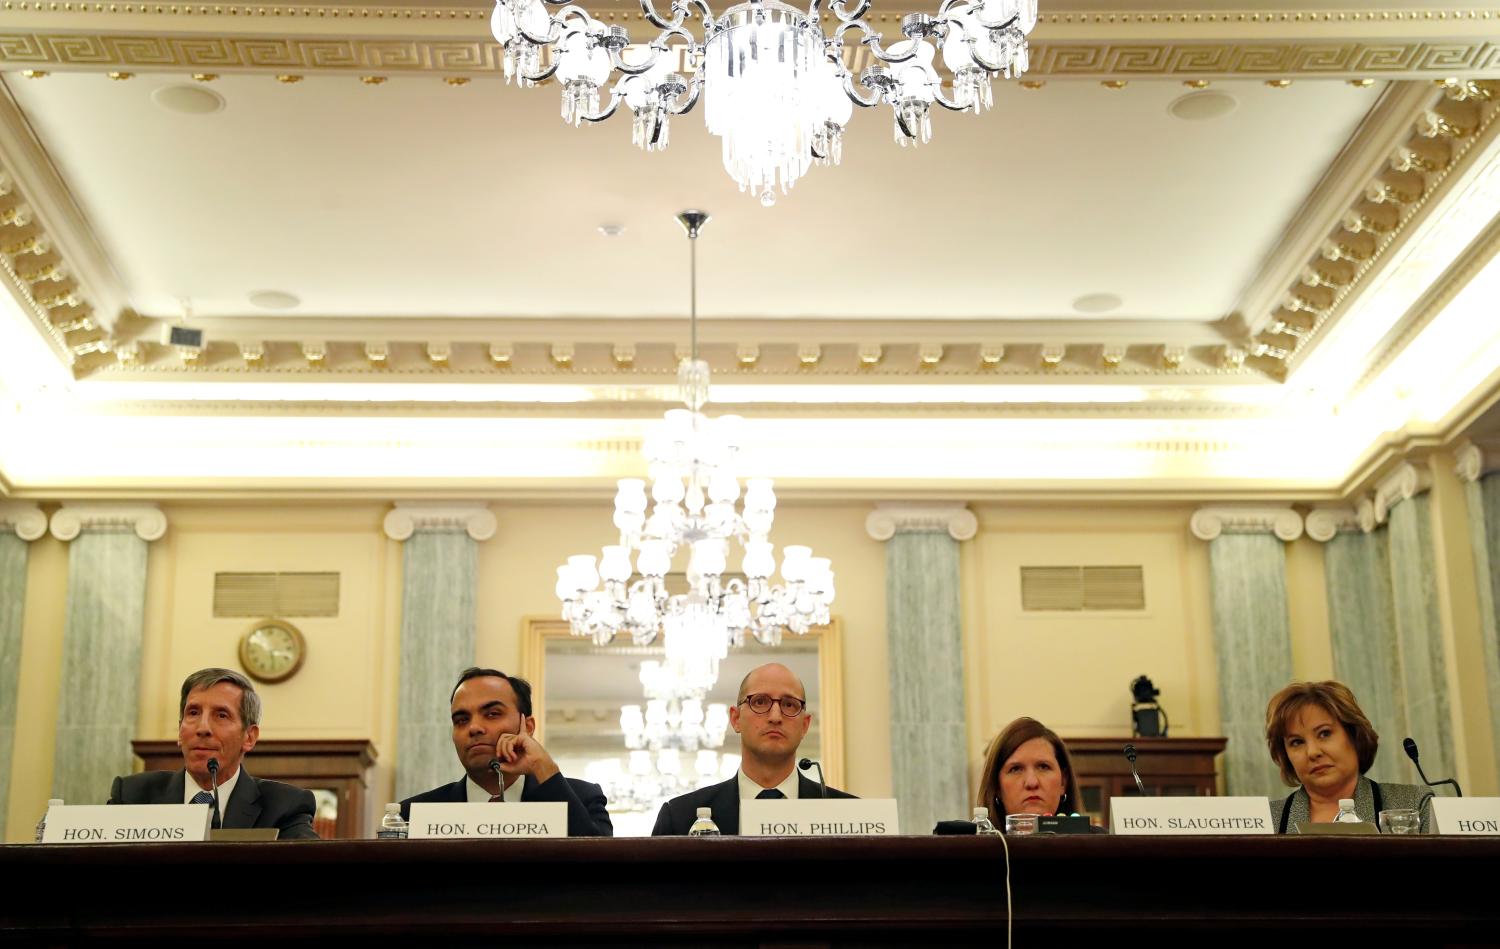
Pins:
x: 771, y: 718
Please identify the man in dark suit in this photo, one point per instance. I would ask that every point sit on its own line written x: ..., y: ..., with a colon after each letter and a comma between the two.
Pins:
x: 771, y: 718
x: 493, y: 724
x: 218, y: 719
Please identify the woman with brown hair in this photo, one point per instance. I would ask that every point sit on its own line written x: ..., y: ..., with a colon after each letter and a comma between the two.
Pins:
x: 1323, y: 743
x: 1027, y: 771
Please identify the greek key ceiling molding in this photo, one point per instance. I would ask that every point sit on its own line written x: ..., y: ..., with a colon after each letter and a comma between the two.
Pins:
x: 107, y: 52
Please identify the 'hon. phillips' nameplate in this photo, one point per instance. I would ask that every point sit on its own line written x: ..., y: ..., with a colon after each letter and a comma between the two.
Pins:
x: 1190, y: 815
x: 537, y: 819
x: 1467, y: 816
x: 126, y: 823
x: 819, y: 817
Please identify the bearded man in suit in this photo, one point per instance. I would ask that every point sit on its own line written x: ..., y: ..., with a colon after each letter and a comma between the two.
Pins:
x: 218, y: 720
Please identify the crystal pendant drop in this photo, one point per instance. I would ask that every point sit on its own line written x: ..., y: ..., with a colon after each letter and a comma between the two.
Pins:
x: 913, y: 123
x: 580, y: 97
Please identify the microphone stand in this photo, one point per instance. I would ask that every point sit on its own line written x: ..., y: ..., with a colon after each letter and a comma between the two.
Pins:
x: 499, y: 776
x: 1411, y: 752
x: 1130, y: 757
x: 807, y: 763
x: 213, y: 777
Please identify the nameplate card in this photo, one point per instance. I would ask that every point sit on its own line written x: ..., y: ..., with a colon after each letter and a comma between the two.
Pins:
x: 126, y: 823
x: 533, y: 819
x: 1189, y: 816
x: 1466, y: 816
x: 820, y: 817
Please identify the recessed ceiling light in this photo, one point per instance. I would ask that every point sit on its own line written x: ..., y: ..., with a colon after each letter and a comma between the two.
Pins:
x: 273, y: 300
x: 189, y: 100
x: 611, y: 230
x: 1197, y: 106
x: 1097, y: 303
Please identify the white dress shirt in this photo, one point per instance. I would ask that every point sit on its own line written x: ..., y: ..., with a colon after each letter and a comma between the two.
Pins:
x: 478, y: 795
x: 226, y: 788
x: 749, y: 789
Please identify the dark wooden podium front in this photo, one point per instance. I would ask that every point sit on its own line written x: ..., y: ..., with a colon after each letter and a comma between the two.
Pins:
x: 845, y: 892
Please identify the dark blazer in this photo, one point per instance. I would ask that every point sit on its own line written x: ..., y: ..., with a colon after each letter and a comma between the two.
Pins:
x: 678, y: 814
x: 255, y: 802
x: 587, y: 813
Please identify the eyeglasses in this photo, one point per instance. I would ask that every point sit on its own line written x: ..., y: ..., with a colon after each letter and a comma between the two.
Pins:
x: 760, y: 703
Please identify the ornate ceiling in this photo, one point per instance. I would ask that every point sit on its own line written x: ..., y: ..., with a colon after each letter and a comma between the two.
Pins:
x: 1208, y: 250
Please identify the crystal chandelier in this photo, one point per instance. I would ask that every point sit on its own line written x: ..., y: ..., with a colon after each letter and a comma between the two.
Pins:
x: 675, y: 716
x: 774, y: 85
x: 694, y: 490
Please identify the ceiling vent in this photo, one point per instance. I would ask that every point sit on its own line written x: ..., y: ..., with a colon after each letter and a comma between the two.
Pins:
x: 276, y: 594
x: 1073, y: 589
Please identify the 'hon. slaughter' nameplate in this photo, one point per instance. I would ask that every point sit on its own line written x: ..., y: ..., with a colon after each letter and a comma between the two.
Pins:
x: 538, y: 819
x: 819, y: 817
x: 126, y: 823
x: 1467, y: 816
x: 1190, y: 815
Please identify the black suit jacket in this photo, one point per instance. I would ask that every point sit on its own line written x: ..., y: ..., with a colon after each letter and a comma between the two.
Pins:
x: 678, y: 814
x: 587, y: 813
x: 254, y: 803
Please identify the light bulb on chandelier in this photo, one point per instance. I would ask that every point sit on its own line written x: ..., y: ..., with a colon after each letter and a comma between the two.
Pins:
x: 695, y: 505
x: 774, y: 85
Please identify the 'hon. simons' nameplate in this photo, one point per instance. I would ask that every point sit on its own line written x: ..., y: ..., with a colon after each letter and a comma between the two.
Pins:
x: 1468, y: 816
x: 540, y: 819
x: 1190, y: 815
x: 819, y: 817
x: 126, y: 823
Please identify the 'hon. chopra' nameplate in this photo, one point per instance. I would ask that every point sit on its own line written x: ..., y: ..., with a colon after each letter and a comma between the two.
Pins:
x: 819, y: 817
x: 126, y: 823
x: 539, y: 819
x: 1467, y: 816
x: 1190, y: 815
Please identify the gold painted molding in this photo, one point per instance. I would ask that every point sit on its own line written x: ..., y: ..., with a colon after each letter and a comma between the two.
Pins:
x: 1375, y: 229
x: 450, y: 57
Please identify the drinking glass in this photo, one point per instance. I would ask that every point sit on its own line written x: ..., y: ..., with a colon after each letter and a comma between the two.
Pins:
x: 1400, y: 820
x: 1020, y: 825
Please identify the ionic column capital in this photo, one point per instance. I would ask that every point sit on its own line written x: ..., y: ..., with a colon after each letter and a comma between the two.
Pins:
x: 1476, y: 459
x: 27, y: 520
x: 147, y: 520
x: 408, y: 517
x: 1325, y: 521
x: 1404, y: 483
x: 905, y: 517
x: 1209, y: 522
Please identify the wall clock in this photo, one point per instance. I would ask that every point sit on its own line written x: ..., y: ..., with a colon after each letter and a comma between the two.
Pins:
x: 272, y: 650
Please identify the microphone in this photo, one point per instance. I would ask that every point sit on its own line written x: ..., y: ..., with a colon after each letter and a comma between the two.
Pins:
x: 213, y: 777
x: 807, y: 763
x: 499, y: 776
x: 1130, y: 757
x: 1411, y: 752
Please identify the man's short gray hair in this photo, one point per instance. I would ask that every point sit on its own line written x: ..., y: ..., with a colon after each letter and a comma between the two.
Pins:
x: 207, y: 678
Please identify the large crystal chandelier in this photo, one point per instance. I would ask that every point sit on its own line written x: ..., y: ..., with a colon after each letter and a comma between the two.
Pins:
x: 694, y: 490
x: 675, y: 715
x: 773, y: 83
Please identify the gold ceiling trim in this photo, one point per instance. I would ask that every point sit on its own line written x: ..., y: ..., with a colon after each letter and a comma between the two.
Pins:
x: 480, y: 11
x: 1383, y: 212
x: 450, y: 57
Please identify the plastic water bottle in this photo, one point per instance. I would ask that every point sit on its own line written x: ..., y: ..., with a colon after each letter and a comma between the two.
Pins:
x: 1346, y: 812
x: 982, y: 825
x: 704, y: 826
x: 392, y: 827
x: 41, y: 825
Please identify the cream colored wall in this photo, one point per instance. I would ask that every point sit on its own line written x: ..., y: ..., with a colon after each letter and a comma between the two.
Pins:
x: 1073, y: 670
x: 1307, y: 611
